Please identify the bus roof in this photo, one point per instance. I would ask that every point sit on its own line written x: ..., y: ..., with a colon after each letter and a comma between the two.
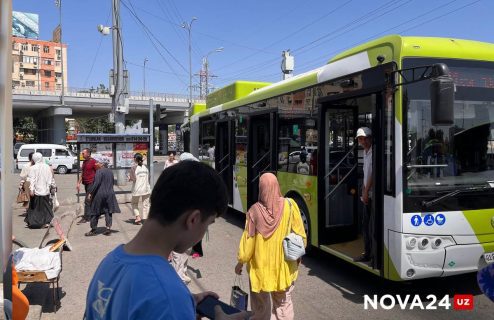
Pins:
x: 392, y: 47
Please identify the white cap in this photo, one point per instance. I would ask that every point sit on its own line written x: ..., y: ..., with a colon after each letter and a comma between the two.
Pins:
x: 364, y: 132
x: 187, y: 156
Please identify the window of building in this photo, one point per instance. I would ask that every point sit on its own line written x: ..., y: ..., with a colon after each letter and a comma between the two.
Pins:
x: 28, y: 59
x: 15, y: 46
x: 35, y: 47
x: 29, y: 83
x: 15, y: 83
x: 47, y: 85
x: 58, y: 52
x: 59, y: 86
x: 46, y: 49
x: 48, y: 62
x: 57, y: 63
x: 24, y: 47
x: 58, y: 74
x: 47, y: 73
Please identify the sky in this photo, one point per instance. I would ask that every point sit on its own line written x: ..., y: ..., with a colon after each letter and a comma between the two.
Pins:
x: 253, y: 35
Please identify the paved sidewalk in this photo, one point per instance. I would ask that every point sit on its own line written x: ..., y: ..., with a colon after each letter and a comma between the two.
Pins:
x: 80, y: 264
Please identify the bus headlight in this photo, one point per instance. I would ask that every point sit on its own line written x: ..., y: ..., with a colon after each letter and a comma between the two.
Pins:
x: 411, y: 243
x: 423, y: 243
x: 436, y: 243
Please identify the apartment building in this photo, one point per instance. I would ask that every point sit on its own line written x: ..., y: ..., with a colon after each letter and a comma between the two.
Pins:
x: 37, y: 64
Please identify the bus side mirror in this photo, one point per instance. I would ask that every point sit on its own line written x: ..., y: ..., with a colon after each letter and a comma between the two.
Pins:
x: 442, y: 90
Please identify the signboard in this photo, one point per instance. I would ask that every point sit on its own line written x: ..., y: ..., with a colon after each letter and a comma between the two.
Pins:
x: 25, y: 25
x: 126, y: 152
x: 124, y: 138
x: 56, y: 34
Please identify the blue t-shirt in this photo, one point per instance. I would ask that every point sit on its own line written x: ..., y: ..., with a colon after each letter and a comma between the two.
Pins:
x: 127, y: 286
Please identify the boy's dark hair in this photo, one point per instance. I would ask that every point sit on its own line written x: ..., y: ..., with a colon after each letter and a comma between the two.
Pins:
x: 172, y: 152
x: 188, y: 185
x: 30, y: 156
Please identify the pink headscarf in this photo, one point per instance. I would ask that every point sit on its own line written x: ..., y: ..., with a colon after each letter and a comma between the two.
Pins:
x: 265, y: 215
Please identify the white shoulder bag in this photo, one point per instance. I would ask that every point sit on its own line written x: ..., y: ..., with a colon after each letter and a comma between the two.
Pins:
x: 293, y: 244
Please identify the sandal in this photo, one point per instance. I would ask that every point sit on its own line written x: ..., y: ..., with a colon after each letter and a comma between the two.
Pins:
x: 107, y: 232
x: 90, y: 233
x: 138, y: 222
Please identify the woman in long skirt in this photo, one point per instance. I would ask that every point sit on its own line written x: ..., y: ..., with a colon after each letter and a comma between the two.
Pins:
x: 102, y: 197
x: 42, y: 184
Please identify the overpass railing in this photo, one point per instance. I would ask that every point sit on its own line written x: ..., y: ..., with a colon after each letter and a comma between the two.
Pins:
x: 93, y: 93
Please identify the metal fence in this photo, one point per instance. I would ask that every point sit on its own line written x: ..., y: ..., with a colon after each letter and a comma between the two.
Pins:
x: 97, y: 94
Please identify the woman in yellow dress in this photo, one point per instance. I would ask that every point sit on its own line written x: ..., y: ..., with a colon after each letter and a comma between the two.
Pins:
x: 261, y: 249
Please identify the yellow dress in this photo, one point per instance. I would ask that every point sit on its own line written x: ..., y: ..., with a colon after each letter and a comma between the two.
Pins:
x: 268, y: 270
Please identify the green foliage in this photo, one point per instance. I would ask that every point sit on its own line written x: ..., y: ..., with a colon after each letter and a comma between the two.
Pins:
x: 27, y: 128
x: 94, y: 125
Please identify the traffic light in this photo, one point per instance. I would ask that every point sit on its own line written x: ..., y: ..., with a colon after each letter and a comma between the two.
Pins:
x: 160, y: 113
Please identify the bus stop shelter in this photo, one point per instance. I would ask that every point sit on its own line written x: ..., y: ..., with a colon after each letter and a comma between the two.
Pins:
x: 119, y: 149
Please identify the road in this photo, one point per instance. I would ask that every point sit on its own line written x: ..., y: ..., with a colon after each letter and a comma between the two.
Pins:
x: 327, y: 288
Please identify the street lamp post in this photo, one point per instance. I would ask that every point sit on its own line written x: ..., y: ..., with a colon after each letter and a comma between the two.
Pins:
x: 188, y: 27
x: 206, y: 66
x: 144, y: 77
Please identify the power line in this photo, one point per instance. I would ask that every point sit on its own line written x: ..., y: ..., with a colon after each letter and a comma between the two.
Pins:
x: 149, y: 34
x: 290, y: 35
x: 275, y: 60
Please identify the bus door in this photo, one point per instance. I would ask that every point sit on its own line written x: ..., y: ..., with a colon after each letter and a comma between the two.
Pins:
x: 260, y: 156
x: 225, y: 153
x: 337, y: 185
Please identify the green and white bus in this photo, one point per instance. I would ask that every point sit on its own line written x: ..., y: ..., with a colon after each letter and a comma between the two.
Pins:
x: 433, y: 151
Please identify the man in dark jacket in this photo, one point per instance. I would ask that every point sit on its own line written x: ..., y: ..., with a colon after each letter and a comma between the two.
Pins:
x: 102, y: 197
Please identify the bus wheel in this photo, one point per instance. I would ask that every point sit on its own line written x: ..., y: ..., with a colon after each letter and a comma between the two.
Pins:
x: 304, y: 212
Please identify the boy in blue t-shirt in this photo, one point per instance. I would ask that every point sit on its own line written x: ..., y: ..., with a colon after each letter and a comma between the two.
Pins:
x: 135, y: 280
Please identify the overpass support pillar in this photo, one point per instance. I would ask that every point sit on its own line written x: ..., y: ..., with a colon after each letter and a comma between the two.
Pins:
x: 163, y: 138
x: 51, y: 124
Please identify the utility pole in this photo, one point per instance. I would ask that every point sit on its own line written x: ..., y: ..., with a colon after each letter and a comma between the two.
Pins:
x: 58, y: 3
x: 118, y: 97
x: 188, y: 27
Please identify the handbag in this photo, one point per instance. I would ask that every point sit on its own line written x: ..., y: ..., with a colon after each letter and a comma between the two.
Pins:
x: 293, y: 244
x: 239, y: 298
x: 22, y: 197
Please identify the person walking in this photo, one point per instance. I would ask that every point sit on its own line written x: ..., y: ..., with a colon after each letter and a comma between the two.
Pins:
x: 41, y: 186
x: 271, y: 276
x: 139, y: 175
x: 102, y: 197
x: 364, y: 138
x: 179, y: 260
x: 135, y: 280
x: 87, y: 179
x: 171, y: 160
x: 24, y: 184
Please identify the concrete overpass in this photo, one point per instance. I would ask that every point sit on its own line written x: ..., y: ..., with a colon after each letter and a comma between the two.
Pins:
x: 50, y: 116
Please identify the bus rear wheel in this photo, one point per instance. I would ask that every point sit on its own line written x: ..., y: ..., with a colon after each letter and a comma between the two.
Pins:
x: 304, y: 212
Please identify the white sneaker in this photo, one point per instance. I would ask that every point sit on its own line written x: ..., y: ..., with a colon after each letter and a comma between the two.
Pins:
x: 186, y: 279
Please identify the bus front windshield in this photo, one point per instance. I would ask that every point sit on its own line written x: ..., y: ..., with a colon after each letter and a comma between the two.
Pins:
x: 450, y: 167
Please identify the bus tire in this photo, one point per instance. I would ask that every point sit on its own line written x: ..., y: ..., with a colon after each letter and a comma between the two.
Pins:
x: 304, y: 212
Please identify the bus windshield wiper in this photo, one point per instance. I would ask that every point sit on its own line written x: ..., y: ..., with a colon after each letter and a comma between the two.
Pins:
x: 430, y: 203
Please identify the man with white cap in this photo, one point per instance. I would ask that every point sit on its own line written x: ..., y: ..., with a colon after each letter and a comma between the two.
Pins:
x: 364, y: 138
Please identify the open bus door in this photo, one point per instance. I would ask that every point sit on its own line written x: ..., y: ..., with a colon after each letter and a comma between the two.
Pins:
x: 338, y: 182
x: 260, y: 155
x: 225, y: 153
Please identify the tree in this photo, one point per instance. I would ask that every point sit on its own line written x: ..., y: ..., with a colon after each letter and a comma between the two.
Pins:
x: 94, y: 125
x: 27, y: 128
